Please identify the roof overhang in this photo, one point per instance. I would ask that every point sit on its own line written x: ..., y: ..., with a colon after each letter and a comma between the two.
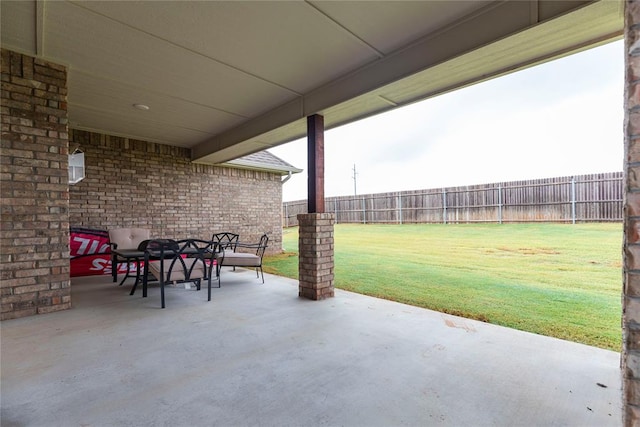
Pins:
x: 497, y: 40
x: 228, y: 79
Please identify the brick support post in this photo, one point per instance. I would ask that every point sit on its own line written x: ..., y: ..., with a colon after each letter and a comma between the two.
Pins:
x: 34, y: 244
x: 315, y: 243
x: 631, y: 295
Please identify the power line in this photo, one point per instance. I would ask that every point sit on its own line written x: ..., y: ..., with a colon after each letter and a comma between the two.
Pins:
x: 355, y: 179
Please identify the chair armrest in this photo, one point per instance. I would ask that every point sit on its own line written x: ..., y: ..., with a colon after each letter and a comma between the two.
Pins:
x: 259, y: 247
x: 248, y: 245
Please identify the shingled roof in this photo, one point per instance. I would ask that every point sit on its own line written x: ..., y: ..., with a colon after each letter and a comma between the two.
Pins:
x: 264, y: 161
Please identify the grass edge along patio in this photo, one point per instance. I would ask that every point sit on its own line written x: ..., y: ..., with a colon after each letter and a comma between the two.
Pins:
x: 559, y: 280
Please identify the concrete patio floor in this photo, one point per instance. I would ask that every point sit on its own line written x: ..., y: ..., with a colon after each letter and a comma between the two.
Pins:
x: 257, y: 355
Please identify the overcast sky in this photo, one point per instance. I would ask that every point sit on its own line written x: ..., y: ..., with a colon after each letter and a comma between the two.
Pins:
x: 557, y: 119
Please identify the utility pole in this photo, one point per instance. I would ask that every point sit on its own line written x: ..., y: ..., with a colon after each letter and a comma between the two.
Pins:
x: 355, y: 192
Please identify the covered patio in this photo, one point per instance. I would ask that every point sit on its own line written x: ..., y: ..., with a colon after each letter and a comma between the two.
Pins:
x: 214, y: 81
x: 259, y: 355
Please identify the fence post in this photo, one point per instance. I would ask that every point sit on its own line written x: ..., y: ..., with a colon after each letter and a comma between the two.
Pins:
x: 444, y: 206
x: 573, y: 200
x: 335, y: 209
x: 286, y: 215
x: 364, y: 212
x: 499, y: 204
x: 400, y: 209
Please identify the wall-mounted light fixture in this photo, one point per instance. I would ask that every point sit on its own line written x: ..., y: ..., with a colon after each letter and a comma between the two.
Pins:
x: 76, y: 166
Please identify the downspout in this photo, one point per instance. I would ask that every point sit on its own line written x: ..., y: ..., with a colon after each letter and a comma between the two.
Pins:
x: 288, y: 177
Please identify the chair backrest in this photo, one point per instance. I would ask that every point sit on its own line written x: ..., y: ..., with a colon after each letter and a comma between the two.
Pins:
x: 128, y: 238
x: 226, y: 240
x: 262, y: 246
x: 180, y: 259
x: 199, y: 246
x: 161, y: 246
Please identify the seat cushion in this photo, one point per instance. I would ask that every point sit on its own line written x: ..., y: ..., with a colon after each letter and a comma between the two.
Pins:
x: 178, y: 272
x: 240, y: 259
x: 128, y: 238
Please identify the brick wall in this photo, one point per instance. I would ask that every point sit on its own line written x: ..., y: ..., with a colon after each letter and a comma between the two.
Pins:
x: 34, y: 244
x: 131, y: 183
x: 128, y: 183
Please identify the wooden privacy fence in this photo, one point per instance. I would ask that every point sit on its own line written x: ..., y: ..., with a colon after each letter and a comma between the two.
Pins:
x: 583, y: 198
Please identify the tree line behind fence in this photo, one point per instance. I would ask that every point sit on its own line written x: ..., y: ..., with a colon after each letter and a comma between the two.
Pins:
x: 582, y: 198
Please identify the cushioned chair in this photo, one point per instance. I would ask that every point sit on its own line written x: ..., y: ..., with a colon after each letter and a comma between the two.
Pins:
x: 226, y: 242
x: 241, y: 257
x: 125, y: 241
x: 182, y: 261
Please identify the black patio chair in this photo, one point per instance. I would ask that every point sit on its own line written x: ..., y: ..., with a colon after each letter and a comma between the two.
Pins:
x: 181, y: 261
x: 240, y: 257
x: 226, y: 240
x: 124, y: 244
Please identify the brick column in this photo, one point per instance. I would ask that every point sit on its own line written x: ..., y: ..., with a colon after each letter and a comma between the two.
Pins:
x: 34, y: 244
x: 631, y: 300
x: 315, y: 266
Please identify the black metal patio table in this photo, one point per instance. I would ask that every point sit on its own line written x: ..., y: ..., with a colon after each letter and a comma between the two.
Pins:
x: 130, y: 255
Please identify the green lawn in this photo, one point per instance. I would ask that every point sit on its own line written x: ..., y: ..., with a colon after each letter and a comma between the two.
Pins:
x: 559, y: 280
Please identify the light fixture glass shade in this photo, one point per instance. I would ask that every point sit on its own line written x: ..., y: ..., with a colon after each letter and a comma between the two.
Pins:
x: 76, y: 167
